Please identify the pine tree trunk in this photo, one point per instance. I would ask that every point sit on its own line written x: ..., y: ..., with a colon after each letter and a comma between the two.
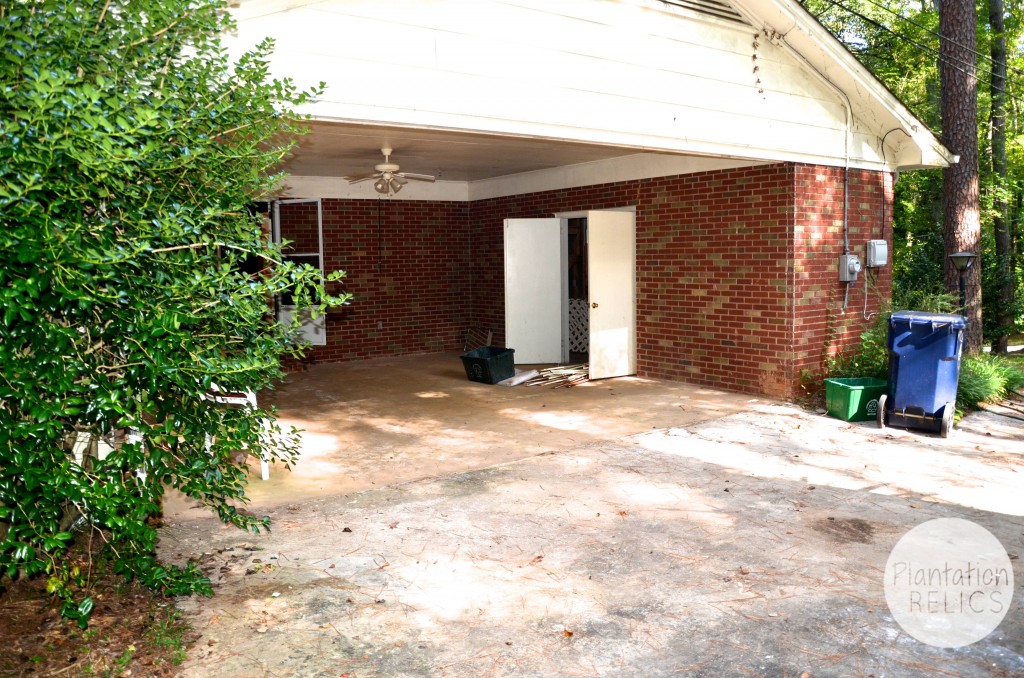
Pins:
x: 1000, y: 223
x: 962, y: 222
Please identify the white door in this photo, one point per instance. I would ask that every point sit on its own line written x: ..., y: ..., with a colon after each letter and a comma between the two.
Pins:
x: 301, y: 221
x: 536, y: 290
x: 611, y: 251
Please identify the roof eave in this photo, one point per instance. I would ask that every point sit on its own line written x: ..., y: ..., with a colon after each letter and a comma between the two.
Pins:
x: 789, y: 24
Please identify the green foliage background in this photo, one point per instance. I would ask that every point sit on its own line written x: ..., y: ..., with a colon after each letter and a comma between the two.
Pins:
x: 133, y: 150
x: 898, y: 41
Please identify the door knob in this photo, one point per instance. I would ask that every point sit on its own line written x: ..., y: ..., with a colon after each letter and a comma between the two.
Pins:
x: 593, y: 305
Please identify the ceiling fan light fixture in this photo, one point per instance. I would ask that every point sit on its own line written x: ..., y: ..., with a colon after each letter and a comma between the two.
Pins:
x: 387, y: 180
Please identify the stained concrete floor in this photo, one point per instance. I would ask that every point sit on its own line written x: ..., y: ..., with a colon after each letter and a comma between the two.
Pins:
x: 437, y: 527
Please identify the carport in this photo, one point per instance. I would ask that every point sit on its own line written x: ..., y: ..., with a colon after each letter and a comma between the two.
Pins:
x: 738, y: 148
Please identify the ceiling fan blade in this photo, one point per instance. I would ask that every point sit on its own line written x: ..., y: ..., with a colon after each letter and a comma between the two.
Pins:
x: 356, y: 178
x: 417, y: 177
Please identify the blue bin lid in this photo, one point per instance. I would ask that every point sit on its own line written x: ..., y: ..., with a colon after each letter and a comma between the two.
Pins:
x: 958, y: 322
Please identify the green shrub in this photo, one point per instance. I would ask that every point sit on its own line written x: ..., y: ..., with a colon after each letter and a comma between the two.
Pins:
x: 133, y: 151
x: 984, y: 378
x: 871, y: 358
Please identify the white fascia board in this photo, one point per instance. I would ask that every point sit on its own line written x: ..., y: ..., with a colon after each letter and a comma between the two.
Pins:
x: 789, y: 24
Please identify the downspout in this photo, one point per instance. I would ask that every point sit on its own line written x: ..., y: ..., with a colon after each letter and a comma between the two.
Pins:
x: 846, y: 142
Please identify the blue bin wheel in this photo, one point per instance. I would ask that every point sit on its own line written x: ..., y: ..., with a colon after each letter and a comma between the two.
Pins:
x: 880, y: 417
x: 947, y: 420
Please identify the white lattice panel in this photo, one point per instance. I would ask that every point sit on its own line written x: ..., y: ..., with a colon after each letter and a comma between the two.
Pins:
x: 579, y: 325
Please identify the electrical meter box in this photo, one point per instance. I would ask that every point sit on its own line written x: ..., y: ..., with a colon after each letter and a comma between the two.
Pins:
x: 877, y: 253
x: 849, y: 267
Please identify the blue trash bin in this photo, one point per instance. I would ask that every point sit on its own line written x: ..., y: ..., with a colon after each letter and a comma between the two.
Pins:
x: 924, y: 368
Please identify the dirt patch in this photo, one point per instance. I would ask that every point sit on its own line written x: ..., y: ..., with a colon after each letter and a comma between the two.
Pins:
x: 132, y: 631
x: 845, y: 530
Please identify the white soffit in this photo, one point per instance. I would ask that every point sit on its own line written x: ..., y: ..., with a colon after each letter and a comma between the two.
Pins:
x: 625, y: 168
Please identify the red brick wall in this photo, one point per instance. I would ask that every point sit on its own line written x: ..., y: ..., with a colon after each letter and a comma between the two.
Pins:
x: 714, y: 292
x: 407, y: 263
x: 712, y: 283
x: 736, y: 270
x: 733, y: 267
x: 822, y: 325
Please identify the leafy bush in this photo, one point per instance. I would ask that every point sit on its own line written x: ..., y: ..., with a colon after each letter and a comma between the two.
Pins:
x: 986, y: 377
x: 982, y: 377
x: 133, y: 151
x: 871, y: 358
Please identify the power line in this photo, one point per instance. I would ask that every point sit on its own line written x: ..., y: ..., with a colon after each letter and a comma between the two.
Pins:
x: 881, y: 26
x: 930, y: 50
x: 940, y: 36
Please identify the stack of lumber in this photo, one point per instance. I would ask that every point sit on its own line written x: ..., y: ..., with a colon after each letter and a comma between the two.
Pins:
x: 565, y: 376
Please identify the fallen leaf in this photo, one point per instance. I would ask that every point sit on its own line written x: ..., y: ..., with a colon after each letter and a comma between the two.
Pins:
x: 567, y: 633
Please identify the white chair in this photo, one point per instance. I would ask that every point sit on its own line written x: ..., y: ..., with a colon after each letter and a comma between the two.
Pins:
x: 87, y: 445
x: 245, y: 399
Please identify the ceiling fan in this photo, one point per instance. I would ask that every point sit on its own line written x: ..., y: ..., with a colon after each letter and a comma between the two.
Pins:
x: 389, y: 178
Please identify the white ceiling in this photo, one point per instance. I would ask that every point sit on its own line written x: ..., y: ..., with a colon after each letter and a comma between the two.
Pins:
x: 336, y: 150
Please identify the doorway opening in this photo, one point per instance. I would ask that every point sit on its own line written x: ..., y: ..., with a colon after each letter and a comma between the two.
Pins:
x: 579, y: 290
x: 537, y: 292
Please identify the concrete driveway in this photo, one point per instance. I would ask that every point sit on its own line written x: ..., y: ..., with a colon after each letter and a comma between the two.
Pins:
x: 437, y: 527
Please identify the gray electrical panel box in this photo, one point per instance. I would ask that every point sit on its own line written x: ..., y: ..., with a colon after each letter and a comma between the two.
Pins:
x: 877, y: 253
x: 849, y: 267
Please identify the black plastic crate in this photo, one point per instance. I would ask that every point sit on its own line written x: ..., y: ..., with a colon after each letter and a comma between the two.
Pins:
x: 489, y: 364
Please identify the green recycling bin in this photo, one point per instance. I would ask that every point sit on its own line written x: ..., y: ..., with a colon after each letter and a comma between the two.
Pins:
x: 854, y: 399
